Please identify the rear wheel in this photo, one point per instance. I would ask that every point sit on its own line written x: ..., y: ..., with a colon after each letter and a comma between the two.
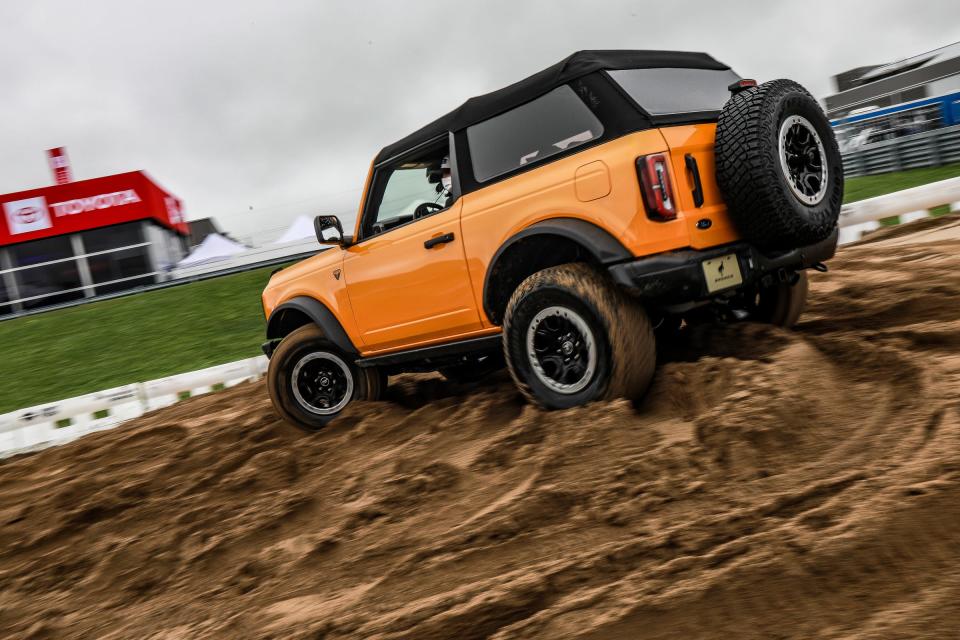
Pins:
x: 782, y: 303
x: 571, y: 337
x: 310, y: 381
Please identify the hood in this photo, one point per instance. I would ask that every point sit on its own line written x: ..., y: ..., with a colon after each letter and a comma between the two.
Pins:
x: 323, y: 259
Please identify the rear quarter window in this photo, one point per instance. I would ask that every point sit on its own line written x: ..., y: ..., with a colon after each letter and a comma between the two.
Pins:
x: 668, y: 91
x: 531, y: 133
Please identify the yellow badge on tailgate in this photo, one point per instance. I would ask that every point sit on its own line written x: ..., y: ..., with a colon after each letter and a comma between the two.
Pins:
x: 722, y: 272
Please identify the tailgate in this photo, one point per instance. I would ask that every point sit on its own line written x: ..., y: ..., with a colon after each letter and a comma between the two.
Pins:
x: 707, y: 224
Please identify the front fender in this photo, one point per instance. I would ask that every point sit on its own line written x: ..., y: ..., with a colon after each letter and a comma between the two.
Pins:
x: 281, y: 318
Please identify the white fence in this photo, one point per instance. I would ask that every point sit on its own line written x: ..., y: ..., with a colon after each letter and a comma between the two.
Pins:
x: 908, y: 205
x: 58, y: 422
x: 55, y: 423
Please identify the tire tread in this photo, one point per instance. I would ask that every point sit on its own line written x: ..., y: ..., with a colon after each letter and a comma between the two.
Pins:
x: 630, y: 334
x: 749, y: 175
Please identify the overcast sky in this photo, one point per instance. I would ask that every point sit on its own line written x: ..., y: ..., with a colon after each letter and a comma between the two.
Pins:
x: 255, y: 112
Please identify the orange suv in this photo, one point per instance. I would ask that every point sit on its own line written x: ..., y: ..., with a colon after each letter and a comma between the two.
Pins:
x: 558, y: 226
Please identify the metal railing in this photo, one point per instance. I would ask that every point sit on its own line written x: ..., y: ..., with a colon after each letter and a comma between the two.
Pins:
x: 16, y: 289
x: 220, y: 270
x: 927, y: 149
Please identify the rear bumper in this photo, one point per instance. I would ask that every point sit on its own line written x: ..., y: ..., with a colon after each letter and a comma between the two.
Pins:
x: 677, y: 277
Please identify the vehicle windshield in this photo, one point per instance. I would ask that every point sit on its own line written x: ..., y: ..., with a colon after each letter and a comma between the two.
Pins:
x: 667, y: 91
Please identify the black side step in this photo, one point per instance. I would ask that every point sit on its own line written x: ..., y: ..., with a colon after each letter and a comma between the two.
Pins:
x: 434, y: 352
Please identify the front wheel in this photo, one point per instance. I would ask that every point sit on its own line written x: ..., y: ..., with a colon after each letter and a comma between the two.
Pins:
x: 310, y: 381
x: 571, y: 337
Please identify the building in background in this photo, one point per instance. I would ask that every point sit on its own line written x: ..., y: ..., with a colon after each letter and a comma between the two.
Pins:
x: 87, y: 238
x: 889, y: 101
x: 201, y: 228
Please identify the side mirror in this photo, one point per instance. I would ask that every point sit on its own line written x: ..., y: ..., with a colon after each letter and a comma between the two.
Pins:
x: 329, y: 230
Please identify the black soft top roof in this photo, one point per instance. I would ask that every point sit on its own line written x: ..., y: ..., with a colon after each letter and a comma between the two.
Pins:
x: 574, y: 66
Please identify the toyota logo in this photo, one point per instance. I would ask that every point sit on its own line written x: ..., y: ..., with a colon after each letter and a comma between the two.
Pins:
x: 28, y: 215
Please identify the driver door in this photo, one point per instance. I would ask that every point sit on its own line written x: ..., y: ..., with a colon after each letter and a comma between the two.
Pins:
x: 408, y: 281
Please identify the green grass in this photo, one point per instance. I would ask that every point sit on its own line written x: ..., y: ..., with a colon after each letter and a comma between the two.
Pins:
x: 65, y: 353
x: 863, y: 187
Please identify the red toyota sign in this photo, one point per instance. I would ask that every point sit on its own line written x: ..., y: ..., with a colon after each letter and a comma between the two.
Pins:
x: 87, y: 204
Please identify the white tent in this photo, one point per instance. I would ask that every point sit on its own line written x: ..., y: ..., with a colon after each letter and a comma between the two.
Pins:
x: 214, y: 247
x: 301, y: 229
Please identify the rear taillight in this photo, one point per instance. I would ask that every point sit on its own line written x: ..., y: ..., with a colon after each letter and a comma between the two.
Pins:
x: 655, y: 184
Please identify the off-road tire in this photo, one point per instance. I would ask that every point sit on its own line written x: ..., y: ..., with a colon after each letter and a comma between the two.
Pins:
x: 307, y: 339
x: 748, y: 167
x: 375, y: 384
x: 626, y: 348
x: 782, y: 303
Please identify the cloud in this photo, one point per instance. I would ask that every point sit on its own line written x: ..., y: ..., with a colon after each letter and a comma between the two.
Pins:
x: 255, y: 112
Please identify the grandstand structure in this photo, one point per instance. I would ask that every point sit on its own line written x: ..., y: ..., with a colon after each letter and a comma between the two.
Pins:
x: 889, y: 101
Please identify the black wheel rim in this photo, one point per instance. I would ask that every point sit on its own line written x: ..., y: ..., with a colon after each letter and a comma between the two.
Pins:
x: 322, y: 383
x: 803, y: 159
x: 561, y: 349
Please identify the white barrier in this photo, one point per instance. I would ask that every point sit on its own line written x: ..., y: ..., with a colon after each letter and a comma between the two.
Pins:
x: 166, y: 391
x: 854, y: 232
x: 59, y: 422
x: 922, y: 198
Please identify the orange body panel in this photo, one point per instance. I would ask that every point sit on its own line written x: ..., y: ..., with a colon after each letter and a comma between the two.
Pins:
x: 697, y: 140
x: 394, y: 294
x: 400, y: 290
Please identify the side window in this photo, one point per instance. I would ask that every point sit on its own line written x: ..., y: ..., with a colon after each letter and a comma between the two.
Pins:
x: 407, y: 188
x: 532, y: 132
x: 413, y: 188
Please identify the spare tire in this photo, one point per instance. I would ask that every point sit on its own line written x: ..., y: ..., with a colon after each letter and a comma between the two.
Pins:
x: 778, y: 166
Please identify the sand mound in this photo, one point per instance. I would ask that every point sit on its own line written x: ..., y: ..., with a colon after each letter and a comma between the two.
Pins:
x: 774, y: 484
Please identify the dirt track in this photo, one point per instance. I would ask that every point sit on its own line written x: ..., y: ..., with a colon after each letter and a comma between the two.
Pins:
x: 783, y: 485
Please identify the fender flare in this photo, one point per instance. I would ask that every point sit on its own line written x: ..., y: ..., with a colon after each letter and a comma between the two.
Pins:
x: 602, y: 246
x: 319, y: 314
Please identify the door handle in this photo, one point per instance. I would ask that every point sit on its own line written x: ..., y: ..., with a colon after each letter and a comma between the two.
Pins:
x: 432, y: 242
x: 697, y: 185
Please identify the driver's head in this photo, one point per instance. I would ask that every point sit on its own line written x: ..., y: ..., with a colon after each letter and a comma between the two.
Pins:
x: 445, y: 178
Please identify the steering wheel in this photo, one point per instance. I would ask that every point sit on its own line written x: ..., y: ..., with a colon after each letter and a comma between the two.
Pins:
x: 426, y: 209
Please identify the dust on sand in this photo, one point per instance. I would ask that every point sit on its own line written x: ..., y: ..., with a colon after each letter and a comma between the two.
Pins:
x: 774, y: 484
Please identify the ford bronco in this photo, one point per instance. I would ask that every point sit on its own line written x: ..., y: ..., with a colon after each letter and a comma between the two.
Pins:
x: 558, y: 226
